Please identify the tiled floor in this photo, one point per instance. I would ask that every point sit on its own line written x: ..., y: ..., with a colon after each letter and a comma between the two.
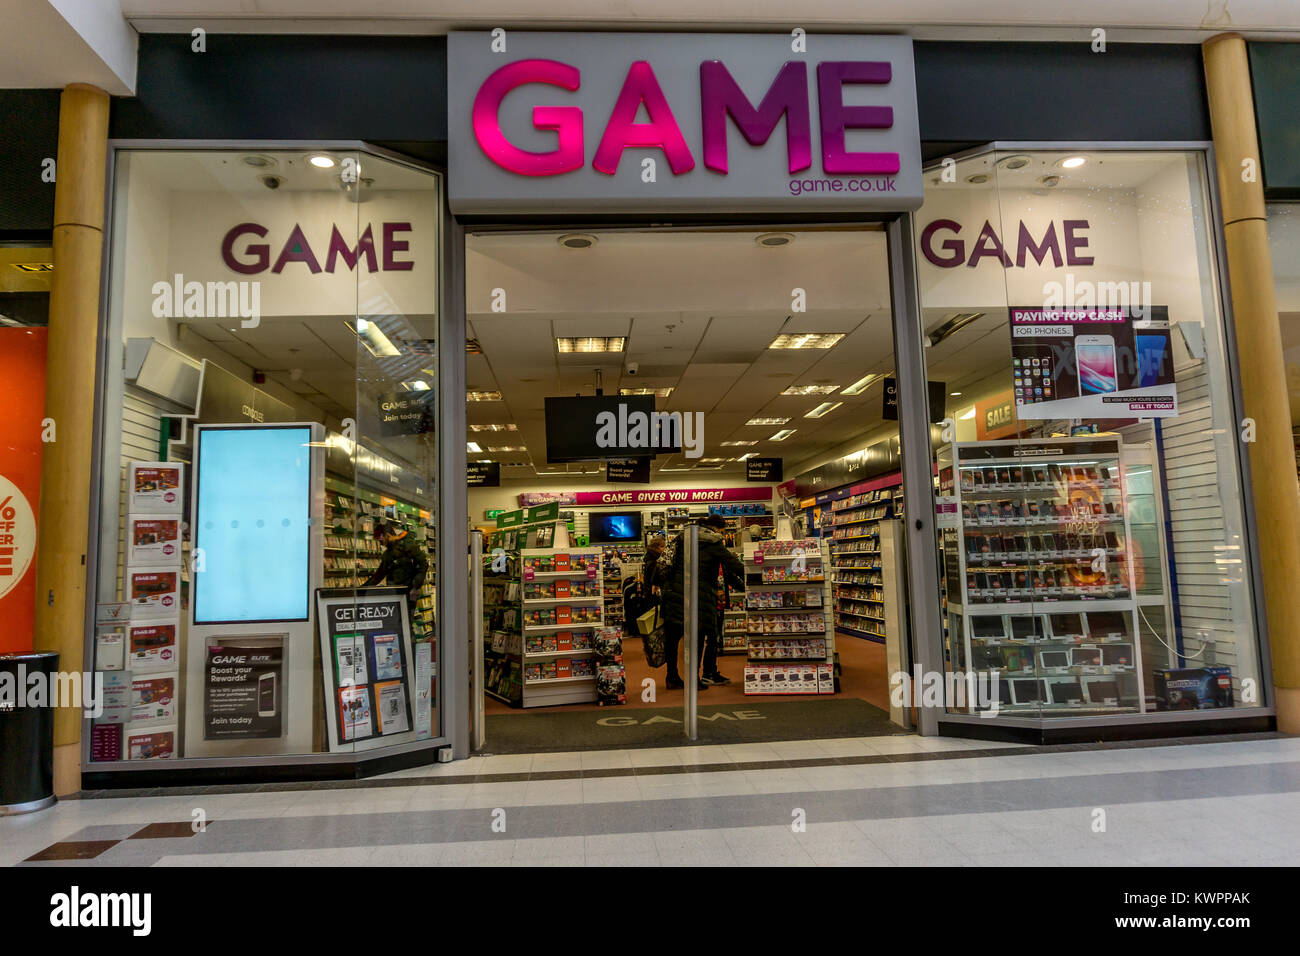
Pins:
x: 864, y: 801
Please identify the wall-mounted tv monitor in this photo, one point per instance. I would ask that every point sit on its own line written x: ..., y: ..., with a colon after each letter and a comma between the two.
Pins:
x: 614, y: 526
x: 252, y: 489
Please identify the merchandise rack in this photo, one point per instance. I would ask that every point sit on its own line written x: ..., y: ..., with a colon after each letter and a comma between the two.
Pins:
x: 859, y: 579
x: 558, y: 656
x: 787, y: 658
x: 352, y: 552
x: 1038, y: 572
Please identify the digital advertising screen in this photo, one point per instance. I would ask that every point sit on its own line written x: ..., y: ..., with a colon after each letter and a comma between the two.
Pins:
x: 252, y: 521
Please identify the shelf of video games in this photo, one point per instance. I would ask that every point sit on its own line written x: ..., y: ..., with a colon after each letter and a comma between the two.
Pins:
x: 859, y: 579
x: 543, y: 609
x: 790, y: 641
x: 1038, y: 568
x: 352, y: 552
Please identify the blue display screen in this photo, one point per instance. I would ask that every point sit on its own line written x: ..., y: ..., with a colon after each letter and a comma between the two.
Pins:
x: 251, y: 518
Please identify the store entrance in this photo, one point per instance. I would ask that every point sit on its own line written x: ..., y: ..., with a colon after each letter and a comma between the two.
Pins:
x: 624, y: 386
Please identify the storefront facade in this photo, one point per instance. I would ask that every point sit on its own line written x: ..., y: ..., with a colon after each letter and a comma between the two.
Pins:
x: 332, y: 240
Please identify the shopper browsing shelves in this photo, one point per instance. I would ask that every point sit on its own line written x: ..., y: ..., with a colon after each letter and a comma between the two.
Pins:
x: 403, y: 564
x: 714, y: 558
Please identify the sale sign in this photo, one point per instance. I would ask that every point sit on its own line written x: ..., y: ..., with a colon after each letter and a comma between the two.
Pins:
x: 22, y: 399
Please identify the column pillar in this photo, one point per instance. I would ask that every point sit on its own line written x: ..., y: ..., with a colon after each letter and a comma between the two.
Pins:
x: 1259, y: 350
x: 66, y: 483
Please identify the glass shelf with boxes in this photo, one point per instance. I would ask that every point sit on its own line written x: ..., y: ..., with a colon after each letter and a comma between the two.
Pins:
x: 1037, y: 572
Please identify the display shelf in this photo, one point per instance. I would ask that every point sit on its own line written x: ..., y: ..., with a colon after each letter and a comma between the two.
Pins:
x: 774, y: 606
x: 1037, y: 571
x: 857, y: 520
x: 542, y: 568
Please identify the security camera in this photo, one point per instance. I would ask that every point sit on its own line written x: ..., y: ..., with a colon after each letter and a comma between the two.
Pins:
x: 633, y: 368
x: 271, y: 181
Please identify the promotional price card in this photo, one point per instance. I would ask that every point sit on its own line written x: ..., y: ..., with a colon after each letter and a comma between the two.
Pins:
x: 153, y: 541
x: 154, y: 487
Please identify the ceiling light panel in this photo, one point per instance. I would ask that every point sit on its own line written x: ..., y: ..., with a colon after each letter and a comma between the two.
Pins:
x: 825, y: 408
x: 806, y: 340
x: 810, y: 390
x: 590, y: 343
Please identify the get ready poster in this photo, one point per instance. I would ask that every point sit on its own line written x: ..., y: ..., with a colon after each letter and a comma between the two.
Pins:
x: 1092, y: 363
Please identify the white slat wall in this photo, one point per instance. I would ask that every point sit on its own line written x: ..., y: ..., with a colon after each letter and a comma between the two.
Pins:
x: 142, y: 415
x: 1195, y: 506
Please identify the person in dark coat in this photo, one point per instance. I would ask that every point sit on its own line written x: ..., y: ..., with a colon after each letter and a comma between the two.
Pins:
x: 403, y: 563
x: 714, y: 558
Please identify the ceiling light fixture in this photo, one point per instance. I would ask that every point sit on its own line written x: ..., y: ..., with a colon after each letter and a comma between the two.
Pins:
x: 739, y: 443
x: 483, y: 396
x: 810, y: 390
x: 662, y: 391
x: 825, y: 408
x: 321, y: 161
x: 504, y: 448
x: 767, y: 421
x: 576, y: 240
x: 510, y: 427
x: 261, y: 161
x: 747, y: 455
x: 374, y: 339
x: 773, y: 240
x: 1018, y: 161
x: 967, y: 415
x: 1072, y: 162
x: 416, y: 385
x: 951, y: 326
x: 783, y: 434
x: 806, y: 340
x: 590, y: 343
x: 862, y: 384
x: 473, y: 448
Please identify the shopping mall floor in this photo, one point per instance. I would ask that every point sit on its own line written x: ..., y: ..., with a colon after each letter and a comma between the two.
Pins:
x: 865, y: 801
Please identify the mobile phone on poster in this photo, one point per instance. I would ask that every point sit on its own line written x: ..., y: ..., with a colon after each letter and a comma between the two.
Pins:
x: 1095, y: 358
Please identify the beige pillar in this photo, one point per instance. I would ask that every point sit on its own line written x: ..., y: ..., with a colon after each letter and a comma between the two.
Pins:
x: 66, y: 485
x: 1263, y: 372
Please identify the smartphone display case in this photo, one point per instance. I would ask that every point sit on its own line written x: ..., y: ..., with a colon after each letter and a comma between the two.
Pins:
x: 1038, y: 575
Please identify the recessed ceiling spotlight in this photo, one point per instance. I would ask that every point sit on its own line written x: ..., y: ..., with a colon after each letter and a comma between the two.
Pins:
x: 978, y: 179
x: 772, y: 240
x: 261, y: 161
x: 1050, y: 181
x: 576, y: 240
x: 321, y: 161
x: 1072, y: 162
x: 954, y: 394
x: 1018, y: 161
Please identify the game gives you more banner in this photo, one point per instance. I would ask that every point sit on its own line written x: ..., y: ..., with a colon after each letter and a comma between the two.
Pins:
x: 1092, y: 363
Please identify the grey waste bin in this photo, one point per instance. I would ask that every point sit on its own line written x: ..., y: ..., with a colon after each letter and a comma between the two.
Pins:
x: 26, y: 735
